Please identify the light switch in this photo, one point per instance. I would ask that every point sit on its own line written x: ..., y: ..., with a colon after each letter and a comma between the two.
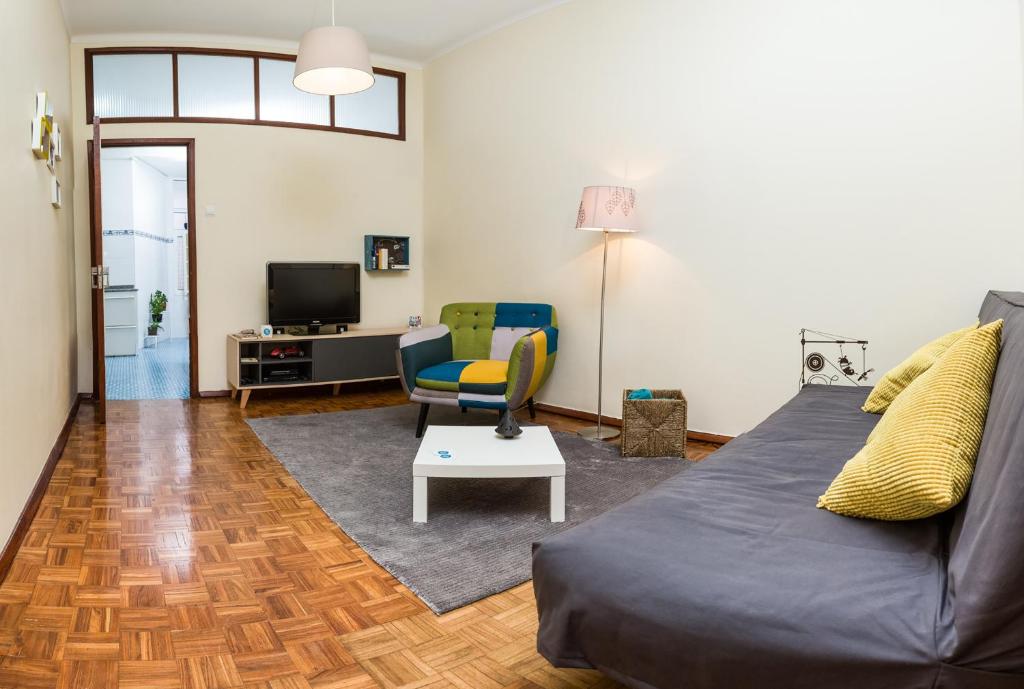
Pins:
x: 211, y: 210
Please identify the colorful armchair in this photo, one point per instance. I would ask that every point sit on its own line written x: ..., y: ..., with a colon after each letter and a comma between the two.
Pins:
x: 484, y: 355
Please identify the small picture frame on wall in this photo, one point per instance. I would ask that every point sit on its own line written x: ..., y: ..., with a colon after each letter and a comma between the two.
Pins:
x: 58, y: 141
x: 51, y: 154
x: 39, y: 145
x: 56, y: 198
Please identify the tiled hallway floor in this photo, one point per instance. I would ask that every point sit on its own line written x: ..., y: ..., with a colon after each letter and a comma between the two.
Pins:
x: 153, y: 374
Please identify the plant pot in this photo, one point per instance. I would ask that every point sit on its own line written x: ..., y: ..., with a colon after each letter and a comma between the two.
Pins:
x: 158, y: 317
x: 153, y: 331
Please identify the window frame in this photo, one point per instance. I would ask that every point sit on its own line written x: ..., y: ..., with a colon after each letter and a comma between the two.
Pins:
x: 255, y: 57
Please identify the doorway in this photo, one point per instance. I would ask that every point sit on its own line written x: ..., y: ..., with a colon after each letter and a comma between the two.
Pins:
x: 148, y: 248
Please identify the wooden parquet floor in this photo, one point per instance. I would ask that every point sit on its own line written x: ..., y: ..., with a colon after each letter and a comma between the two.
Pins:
x: 173, y: 551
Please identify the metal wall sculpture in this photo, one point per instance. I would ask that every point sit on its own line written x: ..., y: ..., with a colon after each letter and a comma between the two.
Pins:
x: 820, y: 369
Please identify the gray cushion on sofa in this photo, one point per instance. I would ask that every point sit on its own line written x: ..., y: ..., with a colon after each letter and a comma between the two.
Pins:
x: 986, y: 565
x: 728, y: 577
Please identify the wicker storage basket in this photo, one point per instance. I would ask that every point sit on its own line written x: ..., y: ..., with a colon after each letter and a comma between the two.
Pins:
x: 656, y: 427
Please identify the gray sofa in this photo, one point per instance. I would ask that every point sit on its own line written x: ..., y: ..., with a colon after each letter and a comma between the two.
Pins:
x: 729, y: 577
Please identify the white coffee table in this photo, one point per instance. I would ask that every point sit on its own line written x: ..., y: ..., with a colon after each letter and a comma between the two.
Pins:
x: 477, y: 452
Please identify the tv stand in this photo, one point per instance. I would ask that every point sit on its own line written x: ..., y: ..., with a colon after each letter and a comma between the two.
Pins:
x: 344, y: 357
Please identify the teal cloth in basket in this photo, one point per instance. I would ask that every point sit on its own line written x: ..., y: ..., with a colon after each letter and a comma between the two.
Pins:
x: 641, y: 394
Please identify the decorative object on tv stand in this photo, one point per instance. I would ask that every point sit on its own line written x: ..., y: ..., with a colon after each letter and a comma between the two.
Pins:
x: 653, y: 424
x: 605, y: 210
x: 385, y: 252
x: 820, y: 369
x: 333, y: 61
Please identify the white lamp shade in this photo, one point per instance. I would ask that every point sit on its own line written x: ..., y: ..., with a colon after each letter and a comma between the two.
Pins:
x: 608, y: 209
x: 333, y: 61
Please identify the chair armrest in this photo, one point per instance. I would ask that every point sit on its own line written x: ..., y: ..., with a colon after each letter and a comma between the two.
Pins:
x: 533, y: 358
x: 421, y: 348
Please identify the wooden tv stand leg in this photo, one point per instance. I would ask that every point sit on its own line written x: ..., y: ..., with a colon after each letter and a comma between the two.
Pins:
x: 245, y: 398
x: 234, y: 392
x: 337, y: 389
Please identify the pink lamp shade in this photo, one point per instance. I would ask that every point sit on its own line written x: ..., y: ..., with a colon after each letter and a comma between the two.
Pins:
x: 608, y: 209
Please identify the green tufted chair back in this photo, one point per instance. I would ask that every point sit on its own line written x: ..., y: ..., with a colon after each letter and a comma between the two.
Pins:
x: 489, y: 330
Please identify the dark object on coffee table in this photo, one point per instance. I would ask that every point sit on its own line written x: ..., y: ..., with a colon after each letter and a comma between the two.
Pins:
x: 508, y: 427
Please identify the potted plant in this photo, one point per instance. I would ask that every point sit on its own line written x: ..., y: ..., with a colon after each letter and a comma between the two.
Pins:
x: 154, y: 328
x: 157, y: 306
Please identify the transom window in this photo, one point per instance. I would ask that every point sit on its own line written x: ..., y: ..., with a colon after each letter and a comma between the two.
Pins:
x: 232, y: 86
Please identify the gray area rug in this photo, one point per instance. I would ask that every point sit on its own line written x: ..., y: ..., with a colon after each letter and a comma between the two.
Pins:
x: 357, y: 465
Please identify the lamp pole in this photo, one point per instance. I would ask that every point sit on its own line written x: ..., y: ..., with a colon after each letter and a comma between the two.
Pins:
x: 600, y: 432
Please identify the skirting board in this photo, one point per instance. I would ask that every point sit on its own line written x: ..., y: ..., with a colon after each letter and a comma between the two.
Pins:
x: 35, y: 498
x: 612, y: 421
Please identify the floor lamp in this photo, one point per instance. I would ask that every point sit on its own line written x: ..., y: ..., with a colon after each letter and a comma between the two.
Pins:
x: 605, y: 210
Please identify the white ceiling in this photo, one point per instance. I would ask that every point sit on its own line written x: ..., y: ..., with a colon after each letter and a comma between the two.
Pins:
x: 170, y: 160
x: 414, y: 30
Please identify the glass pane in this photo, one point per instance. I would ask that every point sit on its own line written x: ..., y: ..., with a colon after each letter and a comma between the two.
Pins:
x: 216, y: 86
x: 375, y: 109
x: 132, y: 85
x: 282, y: 102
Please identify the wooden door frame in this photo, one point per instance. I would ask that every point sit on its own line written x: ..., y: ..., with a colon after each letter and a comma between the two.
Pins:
x: 96, y: 294
x: 193, y: 292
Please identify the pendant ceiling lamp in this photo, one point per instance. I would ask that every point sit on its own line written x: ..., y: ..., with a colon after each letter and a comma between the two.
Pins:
x: 333, y: 61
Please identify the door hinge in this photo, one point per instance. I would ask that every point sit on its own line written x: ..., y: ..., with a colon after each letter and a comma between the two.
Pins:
x: 100, y: 277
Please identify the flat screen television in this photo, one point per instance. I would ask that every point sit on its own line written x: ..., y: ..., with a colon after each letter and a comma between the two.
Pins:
x: 312, y: 294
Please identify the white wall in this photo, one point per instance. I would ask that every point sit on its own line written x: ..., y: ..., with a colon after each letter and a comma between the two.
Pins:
x: 854, y: 167
x: 37, y: 290
x: 119, y: 249
x: 280, y: 194
x: 176, y: 316
x: 151, y: 206
x: 116, y: 191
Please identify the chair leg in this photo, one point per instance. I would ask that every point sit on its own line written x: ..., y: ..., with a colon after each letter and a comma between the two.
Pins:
x: 422, y: 423
x: 533, y: 412
x: 464, y: 409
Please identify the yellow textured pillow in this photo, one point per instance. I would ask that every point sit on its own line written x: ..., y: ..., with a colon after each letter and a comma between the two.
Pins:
x: 919, y: 459
x: 896, y: 380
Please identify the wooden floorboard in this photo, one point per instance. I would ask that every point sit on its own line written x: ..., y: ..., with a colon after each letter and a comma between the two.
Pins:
x: 172, y: 551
